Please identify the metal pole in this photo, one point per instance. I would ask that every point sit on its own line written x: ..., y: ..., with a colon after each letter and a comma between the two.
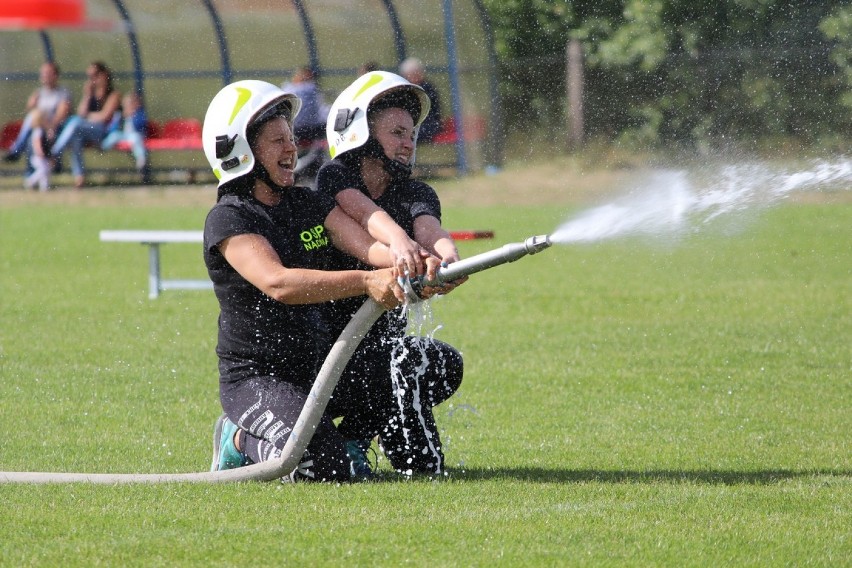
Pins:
x: 48, y: 47
x: 398, y: 35
x: 489, y: 259
x: 224, y: 55
x: 138, y: 72
x: 496, y: 137
x: 153, y: 270
x: 574, y: 85
x: 310, y: 38
x: 455, y: 91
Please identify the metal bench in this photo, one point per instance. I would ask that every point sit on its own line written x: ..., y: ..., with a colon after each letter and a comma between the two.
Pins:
x: 153, y: 239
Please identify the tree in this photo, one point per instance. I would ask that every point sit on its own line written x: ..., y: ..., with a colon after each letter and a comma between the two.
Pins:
x: 678, y: 71
x: 838, y: 27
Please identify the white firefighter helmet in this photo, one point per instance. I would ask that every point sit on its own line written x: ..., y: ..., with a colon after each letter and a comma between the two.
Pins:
x: 228, y: 117
x: 346, y: 127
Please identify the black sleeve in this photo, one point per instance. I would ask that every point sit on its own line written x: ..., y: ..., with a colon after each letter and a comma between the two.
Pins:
x: 335, y: 176
x: 226, y: 220
x: 425, y: 201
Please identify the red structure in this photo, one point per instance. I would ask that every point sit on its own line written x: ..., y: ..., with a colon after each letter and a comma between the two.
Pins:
x: 40, y: 14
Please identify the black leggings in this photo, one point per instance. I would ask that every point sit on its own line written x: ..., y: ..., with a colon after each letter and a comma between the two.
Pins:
x: 267, y: 408
x: 388, y: 390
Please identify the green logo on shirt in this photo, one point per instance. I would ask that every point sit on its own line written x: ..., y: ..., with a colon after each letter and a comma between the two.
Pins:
x: 314, y: 238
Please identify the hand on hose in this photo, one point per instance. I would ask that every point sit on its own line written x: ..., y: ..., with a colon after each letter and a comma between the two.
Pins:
x: 433, y: 264
x: 408, y: 256
x: 383, y: 287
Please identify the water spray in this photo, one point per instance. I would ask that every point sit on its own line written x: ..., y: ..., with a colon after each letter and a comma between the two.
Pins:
x: 674, y: 202
x: 318, y: 398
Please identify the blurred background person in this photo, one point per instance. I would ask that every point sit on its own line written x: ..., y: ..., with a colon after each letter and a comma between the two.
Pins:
x: 95, y: 112
x: 132, y: 129
x: 309, y: 126
x: 40, y: 176
x: 310, y: 123
x: 366, y: 67
x: 413, y: 70
x: 52, y: 103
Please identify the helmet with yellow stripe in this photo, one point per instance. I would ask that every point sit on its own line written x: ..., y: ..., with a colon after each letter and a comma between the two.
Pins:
x: 347, y: 127
x: 229, y: 117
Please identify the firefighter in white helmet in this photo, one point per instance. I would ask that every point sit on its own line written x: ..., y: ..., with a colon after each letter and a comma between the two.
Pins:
x: 382, y: 158
x: 265, y: 247
x: 372, y: 135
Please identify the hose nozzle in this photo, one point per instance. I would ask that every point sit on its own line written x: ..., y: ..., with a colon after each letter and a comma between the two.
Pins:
x: 537, y: 243
x: 507, y: 253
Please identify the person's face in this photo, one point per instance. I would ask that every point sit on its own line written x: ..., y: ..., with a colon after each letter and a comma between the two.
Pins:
x: 276, y: 151
x: 95, y: 75
x: 48, y: 76
x: 394, y: 129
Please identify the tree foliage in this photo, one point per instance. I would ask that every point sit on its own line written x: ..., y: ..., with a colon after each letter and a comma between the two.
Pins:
x: 673, y: 71
x: 838, y: 27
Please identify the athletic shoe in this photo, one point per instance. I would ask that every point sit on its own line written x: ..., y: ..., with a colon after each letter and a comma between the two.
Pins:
x: 360, y: 467
x: 10, y: 157
x: 225, y: 453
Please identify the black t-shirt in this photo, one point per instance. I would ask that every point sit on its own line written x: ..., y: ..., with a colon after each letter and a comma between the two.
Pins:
x: 257, y: 335
x: 404, y: 201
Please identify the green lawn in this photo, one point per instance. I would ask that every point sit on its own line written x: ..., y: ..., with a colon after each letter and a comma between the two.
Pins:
x: 624, y: 403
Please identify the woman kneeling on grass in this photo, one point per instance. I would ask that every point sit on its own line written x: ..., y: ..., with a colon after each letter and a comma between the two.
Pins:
x: 264, y: 244
x: 372, y: 133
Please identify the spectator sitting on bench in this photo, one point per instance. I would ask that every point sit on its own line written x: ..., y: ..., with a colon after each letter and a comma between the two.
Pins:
x: 51, y: 102
x: 95, y: 112
x: 39, y: 157
x: 131, y: 128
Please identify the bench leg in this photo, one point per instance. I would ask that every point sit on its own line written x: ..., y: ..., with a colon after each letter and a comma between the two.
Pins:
x: 153, y: 270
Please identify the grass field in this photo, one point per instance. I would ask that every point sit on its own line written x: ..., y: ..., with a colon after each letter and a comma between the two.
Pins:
x: 624, y: 403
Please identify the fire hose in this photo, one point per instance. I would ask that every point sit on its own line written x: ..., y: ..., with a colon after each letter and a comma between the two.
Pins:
x: 323, y: 387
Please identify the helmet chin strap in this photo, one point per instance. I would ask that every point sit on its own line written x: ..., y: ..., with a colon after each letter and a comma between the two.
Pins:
x: 262, y: 174
x: 397, y: 170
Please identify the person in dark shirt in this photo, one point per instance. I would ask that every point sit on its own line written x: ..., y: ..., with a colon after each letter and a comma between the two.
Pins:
x: 265, y: 247
x: 99, y: 105
x: 372, y: 132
